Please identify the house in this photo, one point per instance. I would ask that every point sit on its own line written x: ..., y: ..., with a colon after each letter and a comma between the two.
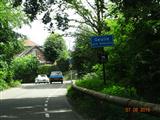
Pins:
x: 29, y: 43
x: 32, y: 48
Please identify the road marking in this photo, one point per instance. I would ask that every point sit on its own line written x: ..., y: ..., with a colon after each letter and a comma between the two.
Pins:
x: 47, y: 115
x: 45, y: 109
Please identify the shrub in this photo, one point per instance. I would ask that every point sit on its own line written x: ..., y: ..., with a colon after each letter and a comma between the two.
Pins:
x: 45, y: 69
x: 91, y: 81
x: 118, y: 90
x: 6, y: 75
x: 3, y: 84
x: 25, y: 68
x: 14, y: 83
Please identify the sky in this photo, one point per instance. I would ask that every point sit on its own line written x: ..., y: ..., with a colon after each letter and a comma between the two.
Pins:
x: 36, y: 33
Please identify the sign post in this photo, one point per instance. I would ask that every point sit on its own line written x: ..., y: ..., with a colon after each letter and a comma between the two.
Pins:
x: 102, y: 41
x: 70, y: 66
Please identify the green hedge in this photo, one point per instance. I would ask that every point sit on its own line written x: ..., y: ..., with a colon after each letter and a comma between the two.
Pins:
x: 25, y: 68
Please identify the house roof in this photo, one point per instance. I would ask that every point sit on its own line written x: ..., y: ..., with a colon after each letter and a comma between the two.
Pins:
x: 27, y: 51
x: 29, y: 43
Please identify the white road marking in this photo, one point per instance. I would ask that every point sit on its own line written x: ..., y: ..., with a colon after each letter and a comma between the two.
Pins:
x: 47, y: 115
x: 45, y: 109
x: 46, y: 104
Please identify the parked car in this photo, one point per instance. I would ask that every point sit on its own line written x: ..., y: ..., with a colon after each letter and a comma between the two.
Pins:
x: 42, y: 79
x: 56, y: 76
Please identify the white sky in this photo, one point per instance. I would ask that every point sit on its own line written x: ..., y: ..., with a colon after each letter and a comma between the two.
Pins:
x: 36, y: 33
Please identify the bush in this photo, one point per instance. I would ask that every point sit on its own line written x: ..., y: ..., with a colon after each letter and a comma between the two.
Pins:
x: 63, y: 65
x: 118, y: 90
x: 14, y: 83
x: 6, y: 77
x: 91, y: 81
x: 3, y: 84
x: 45, y: 69
x: 25, y: 68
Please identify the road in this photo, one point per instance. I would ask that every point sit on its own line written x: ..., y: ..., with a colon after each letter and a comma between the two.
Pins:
x: 37, y: 102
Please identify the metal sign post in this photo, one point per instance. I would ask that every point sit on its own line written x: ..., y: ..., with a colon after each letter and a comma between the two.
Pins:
x: 102, y: 41
x: 70, y: 66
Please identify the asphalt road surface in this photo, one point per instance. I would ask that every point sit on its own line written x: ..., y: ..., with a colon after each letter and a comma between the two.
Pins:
x: 36, y: 102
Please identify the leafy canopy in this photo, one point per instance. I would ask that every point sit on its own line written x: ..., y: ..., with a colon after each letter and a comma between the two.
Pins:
x: 55, y: 48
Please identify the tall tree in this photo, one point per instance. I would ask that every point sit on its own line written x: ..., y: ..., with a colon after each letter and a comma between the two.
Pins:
x: 55, y: 47
x: 10, y: 18
x: 143, y: 44
x: 83, y: 55
x: 91, y: 12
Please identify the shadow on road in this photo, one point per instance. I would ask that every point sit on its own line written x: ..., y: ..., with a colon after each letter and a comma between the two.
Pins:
x: 34, y: 109
x: 45, y: 86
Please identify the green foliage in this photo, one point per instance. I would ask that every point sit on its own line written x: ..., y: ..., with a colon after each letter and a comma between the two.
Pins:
x: 3, y: 84
x: 118, y: 90
x: 91, y: 81
x: 25, y: 68
x: 56, y: 51
x: 62, y: 65
x: 92, y: 108
x: 9, y: 16
x: 134, y: 60
x: 6, y: 76
x: 55, y: 48
x: 45, y: 69
x: 6, y: 73
x: 15, y: 83
x: 84, y: 57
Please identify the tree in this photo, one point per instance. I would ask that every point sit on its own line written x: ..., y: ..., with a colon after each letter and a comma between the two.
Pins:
x: 55, y: 48
x: 92, y: 13
x: 10, y: 18
x: 83, y: 56
x: 142, y: 45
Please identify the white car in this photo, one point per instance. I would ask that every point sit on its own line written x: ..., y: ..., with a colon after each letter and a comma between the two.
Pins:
x: 42, y: 79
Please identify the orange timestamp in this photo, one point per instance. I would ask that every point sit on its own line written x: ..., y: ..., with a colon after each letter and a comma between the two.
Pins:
x: 137, y: 109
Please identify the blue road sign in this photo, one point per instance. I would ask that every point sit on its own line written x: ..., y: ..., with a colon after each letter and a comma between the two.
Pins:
x: 101, y: 41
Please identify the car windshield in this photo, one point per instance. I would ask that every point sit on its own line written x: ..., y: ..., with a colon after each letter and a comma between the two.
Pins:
x: 56, y: 73
x: 43, y: 75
